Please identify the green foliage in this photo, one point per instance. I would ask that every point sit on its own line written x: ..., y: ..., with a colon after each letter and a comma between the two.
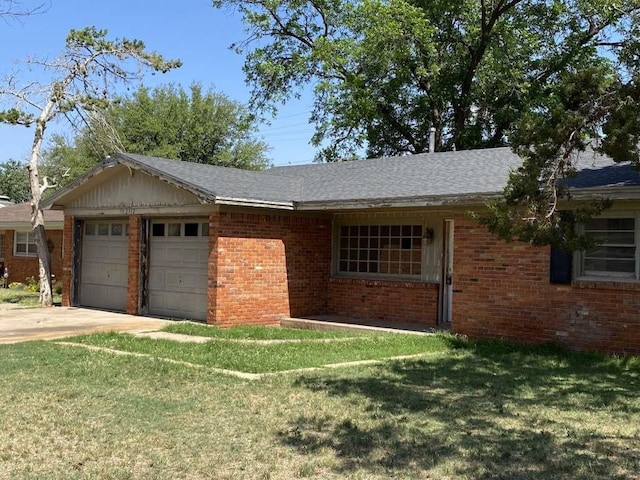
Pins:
x: 31, y: 285
x: 196, y: 126
x: 16, y: 286
x: 384, y: 72
x: 14, y: 181
x: 553, y: 137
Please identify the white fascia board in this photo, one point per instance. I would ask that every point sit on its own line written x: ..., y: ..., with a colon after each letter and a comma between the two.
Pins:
x: 433, y: 201
x: 613, y: 193
x: 245, y: 202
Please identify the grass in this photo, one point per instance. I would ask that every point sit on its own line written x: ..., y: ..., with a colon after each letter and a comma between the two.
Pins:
x: 261, y: 358
x: 257, y: 333
x: 466, y: 411
x: 22, y: 297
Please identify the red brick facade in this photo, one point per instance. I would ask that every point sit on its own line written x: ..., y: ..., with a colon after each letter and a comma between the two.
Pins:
x: 384, y: 301
x: 22, y: 267
x: 502, y: 290
x: 67, y: 261
x: 264, y: 267
x: 133, y: 265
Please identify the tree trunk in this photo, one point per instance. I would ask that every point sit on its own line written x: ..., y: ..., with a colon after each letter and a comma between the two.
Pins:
x: 44, y: 261
x: 37, y: 217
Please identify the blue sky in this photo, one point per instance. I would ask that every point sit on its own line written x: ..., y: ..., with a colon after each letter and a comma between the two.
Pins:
x: 193, y: 31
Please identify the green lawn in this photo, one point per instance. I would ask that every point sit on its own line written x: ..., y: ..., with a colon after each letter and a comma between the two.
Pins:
x: 464, y: 411
x: 261, y: 358
x: 23, y: 298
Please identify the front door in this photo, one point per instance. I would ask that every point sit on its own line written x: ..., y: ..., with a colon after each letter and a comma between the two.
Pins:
x: 446, y: 283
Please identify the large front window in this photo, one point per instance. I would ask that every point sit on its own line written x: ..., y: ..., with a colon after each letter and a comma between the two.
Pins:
x: 380, y: 250
x: 25, y: 244
x: 615, y: 256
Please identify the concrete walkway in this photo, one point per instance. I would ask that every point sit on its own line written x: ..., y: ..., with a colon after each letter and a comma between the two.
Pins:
x: 26, y: 324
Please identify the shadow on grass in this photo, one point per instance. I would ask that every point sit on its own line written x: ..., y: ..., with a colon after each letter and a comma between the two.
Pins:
x: 484, y: 410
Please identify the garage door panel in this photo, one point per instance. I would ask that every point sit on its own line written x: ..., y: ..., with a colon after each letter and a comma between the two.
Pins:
x: 178, y: 274
x: 103, y: 271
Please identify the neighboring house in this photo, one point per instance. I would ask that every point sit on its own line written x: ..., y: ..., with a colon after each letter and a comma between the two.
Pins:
x: 382, y: 239
x: 18, y: 253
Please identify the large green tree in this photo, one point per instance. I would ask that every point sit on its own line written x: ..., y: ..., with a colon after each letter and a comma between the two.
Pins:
x: 14, y: 181
x: 195, y: 126
x: 385, y: 71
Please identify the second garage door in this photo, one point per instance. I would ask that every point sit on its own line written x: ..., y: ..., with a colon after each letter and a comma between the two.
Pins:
x: 178, y: 257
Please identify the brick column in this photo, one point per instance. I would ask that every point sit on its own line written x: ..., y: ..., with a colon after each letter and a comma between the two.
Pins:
x: 67, y: 261
x: 212, y: 268
x: 133, y: 284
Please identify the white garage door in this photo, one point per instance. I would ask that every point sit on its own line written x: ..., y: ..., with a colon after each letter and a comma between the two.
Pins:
x: 178, y: 256
x: 103, y: 272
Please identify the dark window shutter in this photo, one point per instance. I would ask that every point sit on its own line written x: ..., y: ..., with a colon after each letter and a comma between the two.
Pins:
x: 560, y: 266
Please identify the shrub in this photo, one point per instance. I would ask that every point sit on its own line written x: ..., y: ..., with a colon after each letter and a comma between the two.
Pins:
x: 57, y: 289
x: 32, y: 285
x: 16, y: 286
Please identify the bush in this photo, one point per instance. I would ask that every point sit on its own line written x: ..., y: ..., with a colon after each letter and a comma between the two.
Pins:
x: 57, y: 289
x: 32, y: 285
x: 16, y: 286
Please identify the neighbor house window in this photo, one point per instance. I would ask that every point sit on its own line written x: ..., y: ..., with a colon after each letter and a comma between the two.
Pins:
x: 25, y: 244
x: 615, y: 256
x: 380, y: 250
x: 2, y: 244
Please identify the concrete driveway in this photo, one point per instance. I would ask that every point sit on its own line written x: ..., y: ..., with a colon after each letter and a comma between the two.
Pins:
x: 25, y: 324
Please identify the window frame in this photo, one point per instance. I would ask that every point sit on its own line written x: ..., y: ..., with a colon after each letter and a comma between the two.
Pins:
x: 610, y: 276
x: 397, y: 277
x: 30, y: 240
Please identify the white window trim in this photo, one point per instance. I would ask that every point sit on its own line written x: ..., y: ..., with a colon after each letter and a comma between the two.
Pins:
x: 611, y: 276
x: 382, y: 277
x: 30, y: 240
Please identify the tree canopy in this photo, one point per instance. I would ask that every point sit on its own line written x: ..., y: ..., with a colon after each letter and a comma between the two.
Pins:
x: 195, y: 126
x: 540, y: 76
x: 385, y: 71
x: 14, y: 181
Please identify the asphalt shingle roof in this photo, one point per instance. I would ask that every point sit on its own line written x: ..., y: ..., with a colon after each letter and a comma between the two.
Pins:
x: 222, y: 181
x: 437, y: 174
x: 21, y: 213
x: 445, y: 174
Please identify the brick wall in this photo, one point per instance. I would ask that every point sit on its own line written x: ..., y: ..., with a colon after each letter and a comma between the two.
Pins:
x: 22, y: 267
x: 264, y: 267
x: 502, y: 290
x: 67, y: 261
x: 384, y: 301
x: 133, y: 265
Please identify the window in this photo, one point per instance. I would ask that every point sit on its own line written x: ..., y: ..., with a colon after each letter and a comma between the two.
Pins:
x: 2, y: 244
x: 157, y: 230
x: 174, y: 229
x: 25, y: 244
x: 190, y: 229
x: 103, y: 229
x: 616, y: 255
x: 380, y: 250
x: 116, y: 229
